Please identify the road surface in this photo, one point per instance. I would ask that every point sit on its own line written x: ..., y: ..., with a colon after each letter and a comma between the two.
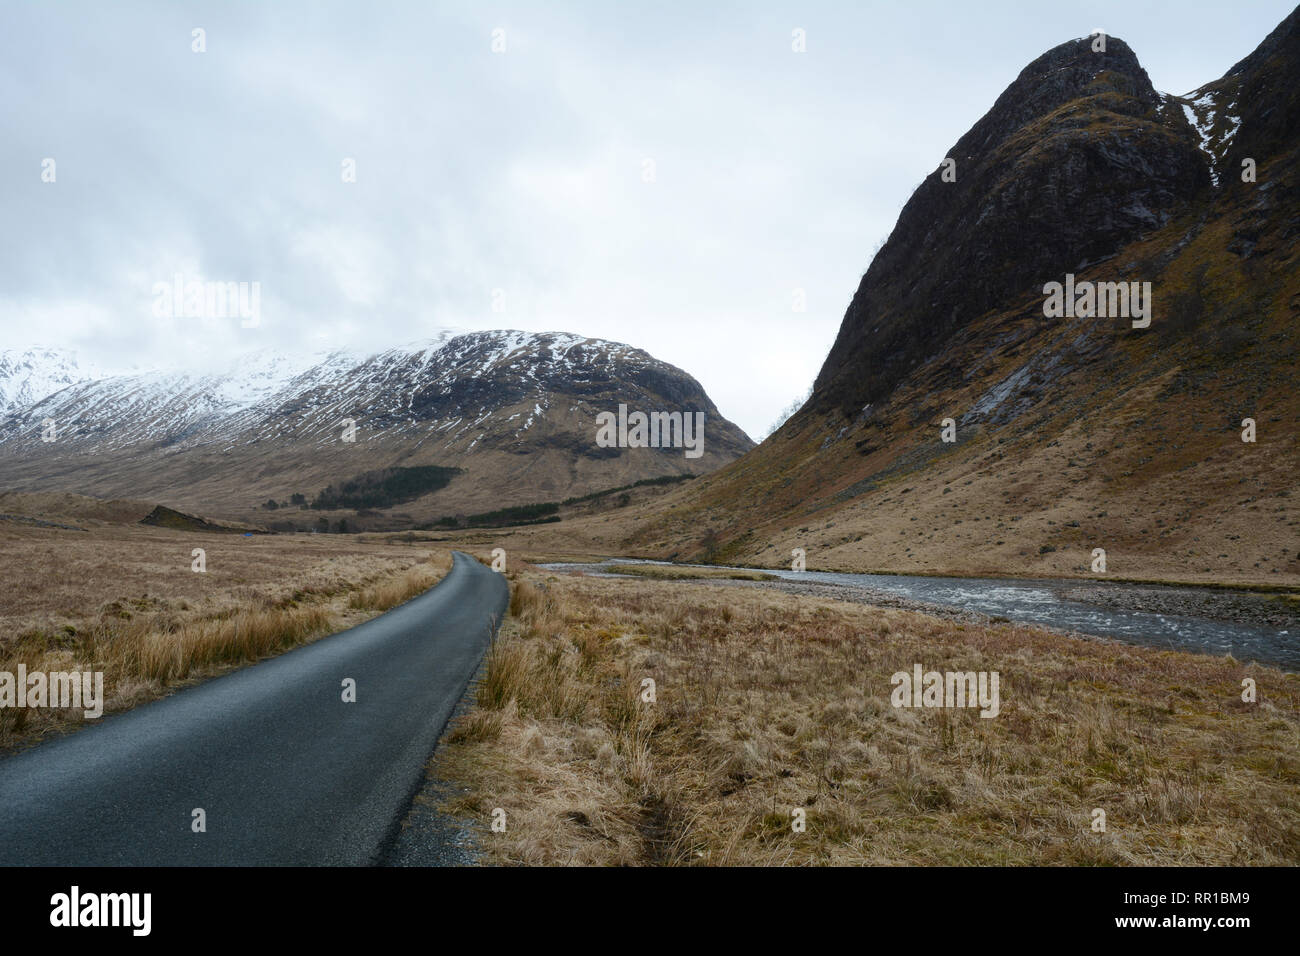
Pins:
x: 283, y: 769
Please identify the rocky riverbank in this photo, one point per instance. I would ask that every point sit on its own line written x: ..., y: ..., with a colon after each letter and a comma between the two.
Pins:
x: 1239, y: 607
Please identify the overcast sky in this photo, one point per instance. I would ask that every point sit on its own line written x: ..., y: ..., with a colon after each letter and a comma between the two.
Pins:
x: 523, y: 171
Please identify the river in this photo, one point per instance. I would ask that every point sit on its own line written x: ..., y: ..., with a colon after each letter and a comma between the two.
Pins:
x: 1042, y: 601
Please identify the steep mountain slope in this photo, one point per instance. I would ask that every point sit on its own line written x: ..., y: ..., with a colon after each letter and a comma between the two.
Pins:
x: 514, y: 412
x: 1077, y: 156
x: 1073, y: 432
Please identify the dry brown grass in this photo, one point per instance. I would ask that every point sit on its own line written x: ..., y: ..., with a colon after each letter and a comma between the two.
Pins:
x: 674, y: 573
x: 767, y: 703
x: 392, y: 592
x: 123, y: 600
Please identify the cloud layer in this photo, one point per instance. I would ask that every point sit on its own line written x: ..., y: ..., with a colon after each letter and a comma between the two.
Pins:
x: 664, y: 176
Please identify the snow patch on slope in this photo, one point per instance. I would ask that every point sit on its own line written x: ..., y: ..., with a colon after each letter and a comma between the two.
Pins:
x: 1213, y: 115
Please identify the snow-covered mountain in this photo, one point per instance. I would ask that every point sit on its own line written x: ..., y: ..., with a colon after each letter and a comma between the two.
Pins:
x: 167, y: 405
x: 30, y: 375
x: 514, y: 410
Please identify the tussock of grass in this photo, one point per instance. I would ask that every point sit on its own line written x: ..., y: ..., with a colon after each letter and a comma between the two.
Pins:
x: 388, y: 594
x: 247, y: 636
x: 767, y: 703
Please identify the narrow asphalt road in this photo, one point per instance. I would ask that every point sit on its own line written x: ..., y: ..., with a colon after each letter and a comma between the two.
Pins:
x: 283, y: 769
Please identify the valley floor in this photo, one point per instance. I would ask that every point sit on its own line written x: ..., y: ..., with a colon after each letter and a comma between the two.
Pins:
x: 1253, y: 556
x: 770, y: 708
x: 124, y: 599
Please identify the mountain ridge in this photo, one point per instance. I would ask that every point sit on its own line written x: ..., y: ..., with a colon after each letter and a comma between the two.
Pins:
x: 524, y: 403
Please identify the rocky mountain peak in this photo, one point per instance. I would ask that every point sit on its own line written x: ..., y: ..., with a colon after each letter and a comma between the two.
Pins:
x: 1078, y: 156
x: 1065, y: 73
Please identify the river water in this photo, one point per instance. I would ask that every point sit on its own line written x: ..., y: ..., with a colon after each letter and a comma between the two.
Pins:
x: 1033, y: 601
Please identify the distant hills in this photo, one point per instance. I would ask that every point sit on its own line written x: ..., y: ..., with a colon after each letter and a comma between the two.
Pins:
x: 498, y: 418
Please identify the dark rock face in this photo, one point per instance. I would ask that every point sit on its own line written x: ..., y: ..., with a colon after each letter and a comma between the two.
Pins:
x: 1078, y: 156
x: 163, y: 517
x: 1265, y: 89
